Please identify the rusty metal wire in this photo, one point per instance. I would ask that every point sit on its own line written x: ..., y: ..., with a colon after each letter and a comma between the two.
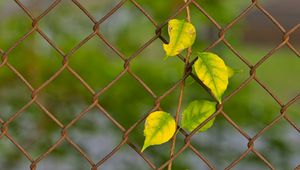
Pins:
x: 95, y: 164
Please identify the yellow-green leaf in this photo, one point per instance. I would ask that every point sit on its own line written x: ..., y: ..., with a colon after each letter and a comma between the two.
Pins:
x: 212, y: 71
x: 159, y: 128
x: 196, y: 113
x: 182, y: 35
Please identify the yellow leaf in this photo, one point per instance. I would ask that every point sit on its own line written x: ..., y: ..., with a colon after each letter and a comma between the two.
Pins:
x: 212, y: 71
x: 159, y: 128
x: 182, y: 35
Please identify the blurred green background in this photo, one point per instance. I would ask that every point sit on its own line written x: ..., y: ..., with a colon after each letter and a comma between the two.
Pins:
x: 127, y: 101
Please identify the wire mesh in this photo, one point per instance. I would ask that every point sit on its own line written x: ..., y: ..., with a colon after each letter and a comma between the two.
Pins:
x: 96, y: 164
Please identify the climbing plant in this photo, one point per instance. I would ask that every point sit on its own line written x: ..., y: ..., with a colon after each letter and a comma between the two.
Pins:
x: 210, y: 69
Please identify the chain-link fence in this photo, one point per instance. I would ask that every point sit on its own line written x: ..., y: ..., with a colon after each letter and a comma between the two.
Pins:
x: 96, y: 104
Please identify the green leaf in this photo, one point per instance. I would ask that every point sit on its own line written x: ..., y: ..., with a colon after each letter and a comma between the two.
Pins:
x: 182, y: 35
x: 212, y: 71
x: 196, y: 113
x: 159, y: 128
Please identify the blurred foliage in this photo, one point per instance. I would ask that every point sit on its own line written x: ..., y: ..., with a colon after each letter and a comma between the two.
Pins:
x: 127, y: 100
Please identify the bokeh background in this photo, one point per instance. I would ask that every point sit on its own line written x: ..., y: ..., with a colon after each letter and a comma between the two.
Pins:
x: 128, y: 29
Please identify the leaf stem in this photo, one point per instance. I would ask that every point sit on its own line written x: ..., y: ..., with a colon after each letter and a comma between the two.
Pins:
x: 182, y: 85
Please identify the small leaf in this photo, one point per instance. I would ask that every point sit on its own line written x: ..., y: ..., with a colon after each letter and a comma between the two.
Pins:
x: 230, y: 71
x: 182, y: 35
x: 196, y: 113
x: 212, y: 71
x: 159, y: 128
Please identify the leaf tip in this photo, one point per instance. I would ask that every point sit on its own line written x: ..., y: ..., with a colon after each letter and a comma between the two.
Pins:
x: 219, y: 99
x: 145, y: 146
x: 230, y: 71
x: 166, y: 57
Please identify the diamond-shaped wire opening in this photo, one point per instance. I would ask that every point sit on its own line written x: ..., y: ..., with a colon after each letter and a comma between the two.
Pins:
x: 96, y: 63
x: 35, y: 48
x: 288, y: 69
x: 69, y: 30
x: 130, y: 24
x: 279, y: 145
x: 121, y: 96
x: 255, y: 42
x: 14, y: 23
x: 91, y: 134
x: 170, y: 101
x: 220, y: 144
x: 252, y: 108
x: 162, y: 74
x: 65, y: 96
x: 29, y: 131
